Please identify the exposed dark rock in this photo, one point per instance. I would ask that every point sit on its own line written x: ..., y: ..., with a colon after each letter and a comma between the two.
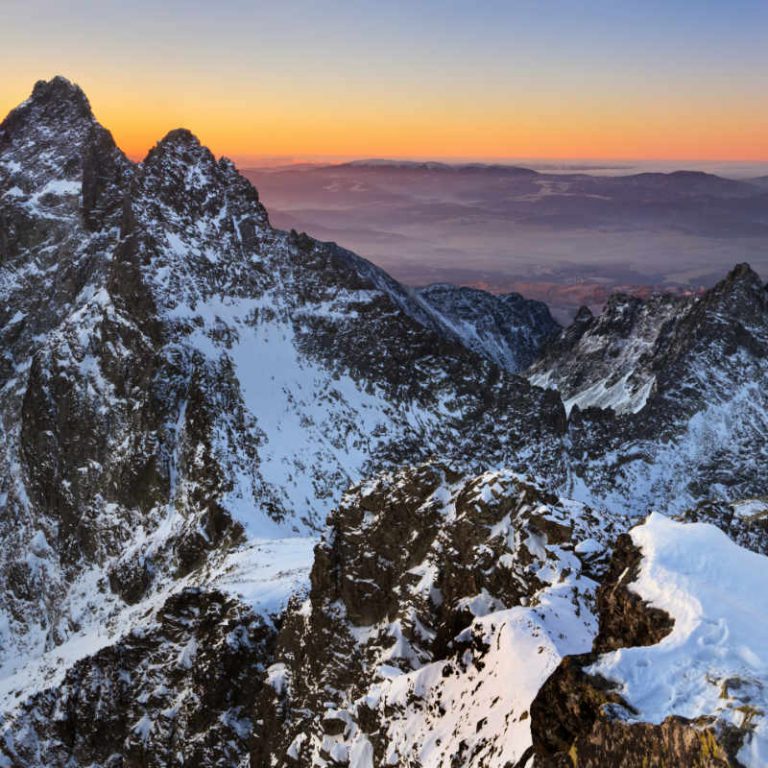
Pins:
x: 579, y: 720
x: 406, y: 557
x: 746, y: 521
x: 508, y: 329
x: 177, y: 692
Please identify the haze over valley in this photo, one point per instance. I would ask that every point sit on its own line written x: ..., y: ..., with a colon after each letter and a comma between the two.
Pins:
x: 455, y: 460
x: 567, y: 238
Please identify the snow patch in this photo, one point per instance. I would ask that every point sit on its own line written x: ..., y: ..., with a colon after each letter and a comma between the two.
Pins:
x: 714, y: 662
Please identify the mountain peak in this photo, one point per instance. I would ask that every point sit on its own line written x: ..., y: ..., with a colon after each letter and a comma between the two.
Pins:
x: 180, y: 137
x: 57, y: 92
x: 57, y: 113
x: 53, y: 135
x: 740, y: 292
x: 58, y: 85
x: 743, y: 273
x: 180, y: 146
x: 740, y: 281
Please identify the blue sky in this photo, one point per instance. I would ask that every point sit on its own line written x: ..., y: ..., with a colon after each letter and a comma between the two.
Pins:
x: 520, y: 78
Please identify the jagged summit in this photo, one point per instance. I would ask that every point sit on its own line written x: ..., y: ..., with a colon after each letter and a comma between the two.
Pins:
x: 60, y: 107
x: 180, y: 152
x: 187, y: 393
x: 53, y: 143
x: 739, y: 299
x: 180, y: 140
x: 55, y: 104
x: 59, y: 89
x: 742, y: 274
x: 614, y: 359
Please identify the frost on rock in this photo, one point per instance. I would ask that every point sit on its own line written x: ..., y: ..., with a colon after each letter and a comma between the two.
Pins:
x: 678, y: 668
x: 440, y: 603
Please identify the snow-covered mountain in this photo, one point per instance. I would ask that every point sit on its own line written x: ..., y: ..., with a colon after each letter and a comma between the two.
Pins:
x: 377, y: 665
x: 181, y: 381
x: 187, y: 395
x: 608, y: 361
x: 508, y: 329
x: 666, y: 397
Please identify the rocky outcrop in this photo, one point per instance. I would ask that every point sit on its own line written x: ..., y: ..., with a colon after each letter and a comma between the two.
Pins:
x: 666, y: 396
x: 507, y: 329
x: 422, y: 582
x: 179, y: 692
x: 580, y: 719
x: 745, y: 521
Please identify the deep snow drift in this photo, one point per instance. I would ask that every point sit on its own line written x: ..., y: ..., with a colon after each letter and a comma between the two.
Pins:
x: 714, y: 662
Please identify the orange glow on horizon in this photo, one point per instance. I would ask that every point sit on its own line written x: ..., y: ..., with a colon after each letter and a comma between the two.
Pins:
x: 258, y: 124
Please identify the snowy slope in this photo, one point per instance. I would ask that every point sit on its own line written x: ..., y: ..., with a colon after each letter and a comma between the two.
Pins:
x: 512, y: 652
x: 180, y: 382
x: 608, y: 361
x: 714, y: 662
x: 507, y: 329
x: 440, y: 647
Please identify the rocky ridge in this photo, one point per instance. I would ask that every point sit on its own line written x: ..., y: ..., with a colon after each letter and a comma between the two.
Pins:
x: 185, y: 394
x: 495, y: 585
x: 666, y: 398
x: 678, y: 685
x: 187, y: 376
x: 507, y: 329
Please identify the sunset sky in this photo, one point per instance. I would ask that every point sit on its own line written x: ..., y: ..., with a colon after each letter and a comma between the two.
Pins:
x: 472, y: 79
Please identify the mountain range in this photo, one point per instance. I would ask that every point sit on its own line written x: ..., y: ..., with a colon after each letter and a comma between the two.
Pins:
x: 262, y: 504
x: 564, y: 237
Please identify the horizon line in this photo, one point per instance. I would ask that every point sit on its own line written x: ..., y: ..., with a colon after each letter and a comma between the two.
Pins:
x: 600, y: 162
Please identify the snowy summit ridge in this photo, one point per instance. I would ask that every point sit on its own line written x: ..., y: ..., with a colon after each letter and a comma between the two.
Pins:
x: 232, y: 456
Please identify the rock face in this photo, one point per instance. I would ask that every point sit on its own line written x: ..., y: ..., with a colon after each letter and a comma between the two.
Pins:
x: 177, y: 375
x: 608, y: 361
x: 179, y: 693
x: 508, y: 329
x: 692, y: 700
x: 635, y: 350
x: 666, y: 397
x: 428, y: 586
x: 186, y: 393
